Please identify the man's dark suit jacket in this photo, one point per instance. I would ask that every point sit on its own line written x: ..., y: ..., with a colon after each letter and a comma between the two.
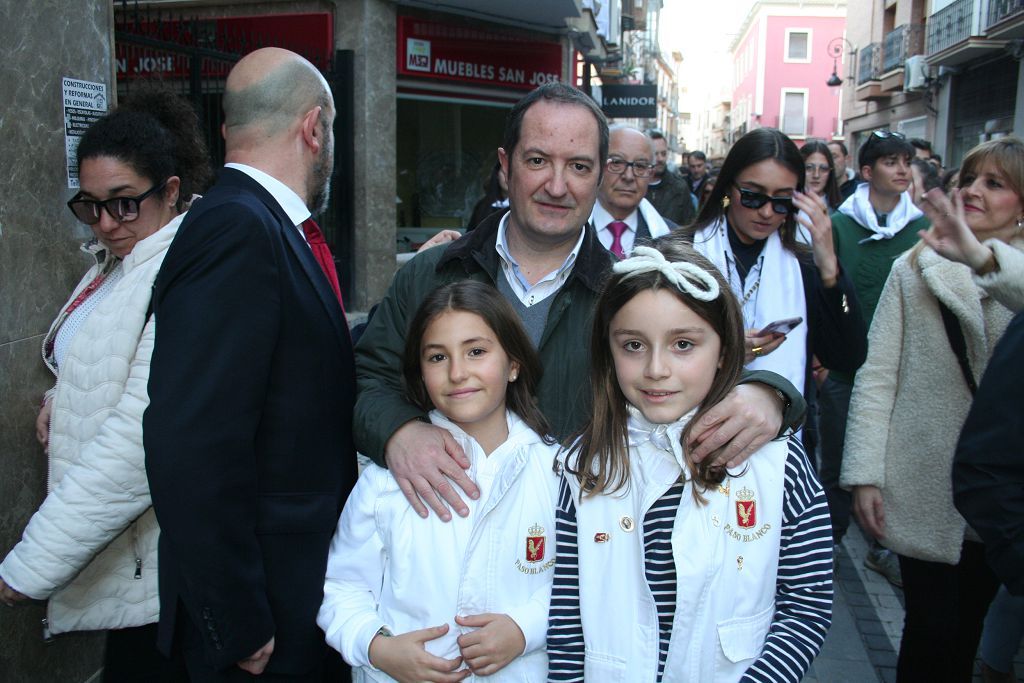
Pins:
x: 248, y: 431
x: 988, y: 469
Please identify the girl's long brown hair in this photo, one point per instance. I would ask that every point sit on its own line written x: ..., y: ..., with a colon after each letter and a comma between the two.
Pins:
x: 485, y: 301
x: 599, y: 455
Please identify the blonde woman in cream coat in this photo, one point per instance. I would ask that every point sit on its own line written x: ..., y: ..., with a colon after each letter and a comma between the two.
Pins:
x: 911, y: 397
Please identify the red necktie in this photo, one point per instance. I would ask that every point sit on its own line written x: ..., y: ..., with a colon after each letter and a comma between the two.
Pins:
x: 322, y: 254
x: 616, y: 228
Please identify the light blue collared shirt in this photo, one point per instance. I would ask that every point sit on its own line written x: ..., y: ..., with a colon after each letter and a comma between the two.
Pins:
x: 547, y: 285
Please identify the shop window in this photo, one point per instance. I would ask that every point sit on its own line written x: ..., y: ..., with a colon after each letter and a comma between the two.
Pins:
x: 445, y: 153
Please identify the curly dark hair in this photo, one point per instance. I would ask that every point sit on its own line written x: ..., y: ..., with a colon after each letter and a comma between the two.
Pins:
x: 156, y: 132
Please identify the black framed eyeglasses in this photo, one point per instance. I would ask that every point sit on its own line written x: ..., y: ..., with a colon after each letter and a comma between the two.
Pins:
x: 755, y: 200
x: 641, y: 169
x: 121, y: 209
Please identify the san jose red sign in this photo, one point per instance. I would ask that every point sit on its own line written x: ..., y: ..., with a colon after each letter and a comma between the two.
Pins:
x: 429, y: 49
x: 311, y: 35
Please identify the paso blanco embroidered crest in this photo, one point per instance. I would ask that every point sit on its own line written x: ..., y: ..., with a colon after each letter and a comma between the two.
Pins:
x: 746, y: 508
x: 535, y: 543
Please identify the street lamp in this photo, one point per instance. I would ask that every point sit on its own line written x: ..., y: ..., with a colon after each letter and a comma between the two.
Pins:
x: 836, y: 48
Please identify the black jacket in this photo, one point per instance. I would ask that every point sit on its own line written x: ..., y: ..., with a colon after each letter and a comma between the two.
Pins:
x: 248, y: 432
x: 988, y: 469
x: 672, y: 199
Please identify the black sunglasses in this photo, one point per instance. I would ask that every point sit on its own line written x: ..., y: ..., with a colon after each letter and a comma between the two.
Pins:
x: 885, y: 134
x: 755, y: 200
x: 121, y: 209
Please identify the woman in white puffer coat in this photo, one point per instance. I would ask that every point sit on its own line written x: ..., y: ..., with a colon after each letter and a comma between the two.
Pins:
x: 90, y: 549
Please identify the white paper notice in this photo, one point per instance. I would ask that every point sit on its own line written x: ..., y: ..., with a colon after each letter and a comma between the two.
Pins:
x: 84, y: 102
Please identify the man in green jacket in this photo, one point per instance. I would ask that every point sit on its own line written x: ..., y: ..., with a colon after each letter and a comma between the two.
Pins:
x: 550, y: 266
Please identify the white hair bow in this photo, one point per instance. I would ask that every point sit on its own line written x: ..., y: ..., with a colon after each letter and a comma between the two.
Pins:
x: 689, y: 278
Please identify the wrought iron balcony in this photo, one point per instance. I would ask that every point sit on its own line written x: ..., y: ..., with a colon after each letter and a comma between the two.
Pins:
x: 949, y: 26
x: 869, y: 63
x: 1003, y: 9
x: 905, y: 41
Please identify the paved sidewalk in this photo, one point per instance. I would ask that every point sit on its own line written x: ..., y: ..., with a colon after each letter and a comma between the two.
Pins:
x: 867, y: 622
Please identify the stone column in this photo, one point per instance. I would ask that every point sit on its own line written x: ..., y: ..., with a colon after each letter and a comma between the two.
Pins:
x: 368, y: 28
x: 40, y: 263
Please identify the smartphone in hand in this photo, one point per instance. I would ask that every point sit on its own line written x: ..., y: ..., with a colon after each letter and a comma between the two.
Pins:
x: 784, y: 326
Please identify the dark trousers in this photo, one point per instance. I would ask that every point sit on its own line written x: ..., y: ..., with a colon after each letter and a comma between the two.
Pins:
x: 834, y: 402
x: 946, y: 606
x: 132, y: 657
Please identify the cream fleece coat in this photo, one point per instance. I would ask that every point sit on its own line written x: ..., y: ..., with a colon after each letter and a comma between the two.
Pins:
x: 910, y: 398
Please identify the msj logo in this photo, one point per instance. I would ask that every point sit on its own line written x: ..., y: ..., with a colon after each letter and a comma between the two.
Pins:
x: 417, y: 54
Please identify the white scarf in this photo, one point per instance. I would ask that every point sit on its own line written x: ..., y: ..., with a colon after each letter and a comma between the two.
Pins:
x: 859, y: 208
x: 656, y: 225
x: 780, y: 295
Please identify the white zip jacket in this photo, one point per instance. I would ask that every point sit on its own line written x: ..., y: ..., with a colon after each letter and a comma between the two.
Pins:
x: 743, y: 610
x: 389, y: 567
x: 91, y: 546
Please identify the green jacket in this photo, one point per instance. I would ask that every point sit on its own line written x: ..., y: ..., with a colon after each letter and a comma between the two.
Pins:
x: 868, y: 262
x: 381, y: 406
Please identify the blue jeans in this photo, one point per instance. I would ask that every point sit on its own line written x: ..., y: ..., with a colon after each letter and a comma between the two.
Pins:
x: 1004, y: 627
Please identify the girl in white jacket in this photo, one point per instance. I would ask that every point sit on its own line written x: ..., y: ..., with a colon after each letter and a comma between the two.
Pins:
x: 414, y: 599
x: 668, y: 570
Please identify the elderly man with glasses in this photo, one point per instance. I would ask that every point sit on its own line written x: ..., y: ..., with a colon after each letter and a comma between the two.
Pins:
x: 622, y: 215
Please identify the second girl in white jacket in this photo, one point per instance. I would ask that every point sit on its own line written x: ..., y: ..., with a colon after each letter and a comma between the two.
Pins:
x: 408, y: 598
x: 668, y: 570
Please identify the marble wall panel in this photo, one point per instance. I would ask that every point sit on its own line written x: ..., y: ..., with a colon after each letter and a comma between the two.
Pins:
x: 43, y: 41
x: 24, y: 656
x: 39, y: 258
x: 368, y: 28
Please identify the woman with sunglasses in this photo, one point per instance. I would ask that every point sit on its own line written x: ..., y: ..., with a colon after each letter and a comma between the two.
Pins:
x: 946, y: 303
x: 91, y: 547
x: 748, y: 230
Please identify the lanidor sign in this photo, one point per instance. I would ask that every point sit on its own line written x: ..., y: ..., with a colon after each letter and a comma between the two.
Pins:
x: 630, y: 101
x: 434, y: 50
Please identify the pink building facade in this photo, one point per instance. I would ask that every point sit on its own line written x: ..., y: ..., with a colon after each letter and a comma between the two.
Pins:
x: 781, y: 61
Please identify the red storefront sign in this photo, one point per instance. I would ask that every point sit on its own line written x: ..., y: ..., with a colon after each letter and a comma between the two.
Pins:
x: 310, y: 35
x: 429, y: 49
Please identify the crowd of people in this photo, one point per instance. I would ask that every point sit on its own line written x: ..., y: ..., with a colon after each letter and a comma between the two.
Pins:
x: 616, y: 430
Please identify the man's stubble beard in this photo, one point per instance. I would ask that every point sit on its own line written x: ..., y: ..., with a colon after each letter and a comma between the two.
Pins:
x: 320, y: 180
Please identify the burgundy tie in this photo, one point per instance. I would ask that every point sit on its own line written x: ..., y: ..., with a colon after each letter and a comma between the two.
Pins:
x: 617, y: 228
x: 322, y: 254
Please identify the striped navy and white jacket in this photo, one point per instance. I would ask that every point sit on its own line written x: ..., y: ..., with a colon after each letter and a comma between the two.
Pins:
x: 747, y: 584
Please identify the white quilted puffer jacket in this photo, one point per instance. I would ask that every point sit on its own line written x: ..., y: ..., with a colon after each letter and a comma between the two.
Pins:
x: 91, y: 547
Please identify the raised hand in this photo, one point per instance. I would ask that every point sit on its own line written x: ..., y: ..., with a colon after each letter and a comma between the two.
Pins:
x: 819, y: 224
x: 949, y: 234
